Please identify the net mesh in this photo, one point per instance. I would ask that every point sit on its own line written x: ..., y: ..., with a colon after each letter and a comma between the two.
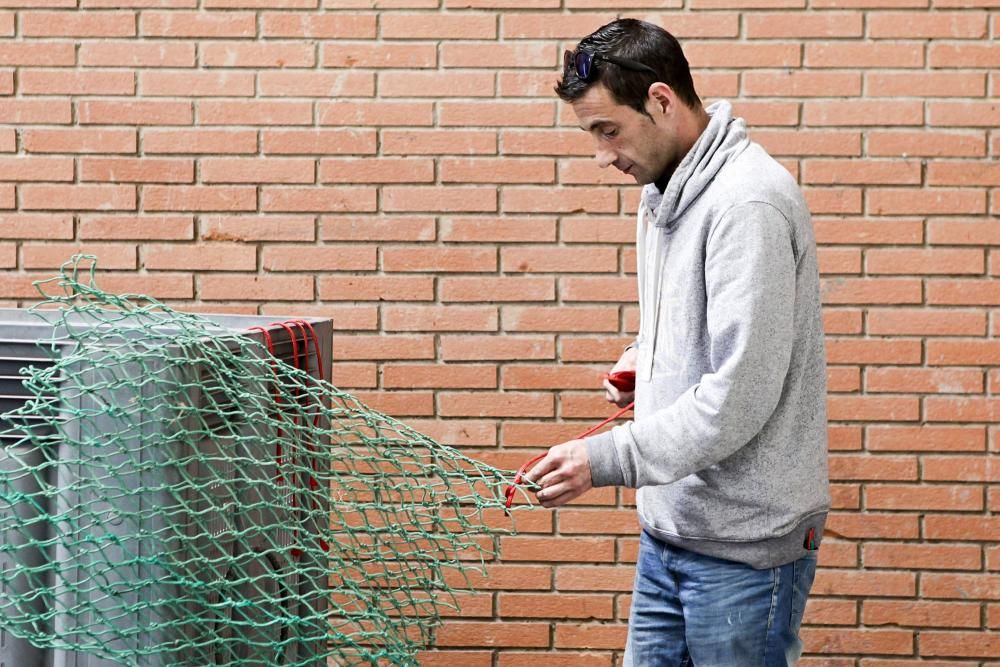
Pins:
x: 171, y: 493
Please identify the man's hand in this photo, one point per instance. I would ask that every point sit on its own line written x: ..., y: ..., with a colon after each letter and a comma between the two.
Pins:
x: 626, y: 362
x: 563, y: 474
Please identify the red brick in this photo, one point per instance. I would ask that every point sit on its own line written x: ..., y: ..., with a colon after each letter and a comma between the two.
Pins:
x: 496, y: 170
x: 257, y: 170
x: 78, y: 24
x: 927, y: 25
x: 963, y: 232
x: 964, y: 55
x: 256, y: 287
x: 960, y: 469
x: 593, y: 578
x: 960, y: 644
x: 507, y: 404
x: 789, y: 83
x: 861, y: 231
x: 963, y: 352
x: 960, y: 586
x: 492, y: 55
x: 862, y: 112
x: 467, y: 633
x: 455, y: 658
x: 497, y: 289
x: 821, y: 611
x: 54, y: 255
x: 380, y: 112
x: 248, y: 228
x: 920, y: 614
x: 200, y: 257
x: 19, y: 111
x: 318, y: 26
x: 59, y: 82
x: 145, y: 53
x: 499, y: 348
x: 36, y: 169
x: 319, y: 258
x: 175, y: 24
x: 924, y: 262
x: 78, y: 197
x: 921, y: 380
x: 847, y: 54
x: 840, y: 321
x: 496, y: 113
x: 504, y: 229
x: 401, y: 25
x: 963, y: 292
x: 159, y: 112
x: 865, y: 583
x: 591, y: 636
x: 769, y: 25
x: 197, y: 140
x: 258, y: 54
x: 301, y: 142
x: 439, y: 318
x: 963, y: 528
x: 546, y: 142
x: 963, y: 173
x: 915, y: 84
x: 858, y: 642
x: 254, y: 112
x: 451, y: 376
x: 935, y: 201
x: 438, y: 142
x: 596, y: 522
x: 563, y: 549
x: 376, y: 170
x: 926, y: 438
x: 323, y: 200
x: 380, y: 348
x: 926, y: 143
x: 854, y: 350
x: 963, y: 114
x: 197, y: 84
x: 198, y: 198
x: 36, y: 226
x: 922, y: 497
x: 439, y: 198
x: 379, y: 55
x: 871, y: 291
x: 882, y: 467
x: 376, y: 288
x: 439, y: 259
x: 966, y: 408
x: 839, y: 261
x: 926, y: 322
x: 136, y: 170
x: 527, y: 318
x: 839, y: 172
x: 377, y: 228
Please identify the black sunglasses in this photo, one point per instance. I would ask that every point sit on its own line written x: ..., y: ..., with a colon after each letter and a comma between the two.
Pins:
x: 583, y: 63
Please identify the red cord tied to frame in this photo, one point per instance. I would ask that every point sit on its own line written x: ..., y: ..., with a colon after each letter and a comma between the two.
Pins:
x: 301, y: 362
x: 622, y: 381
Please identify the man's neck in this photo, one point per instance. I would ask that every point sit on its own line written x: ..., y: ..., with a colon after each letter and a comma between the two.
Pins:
x: 689, y: 134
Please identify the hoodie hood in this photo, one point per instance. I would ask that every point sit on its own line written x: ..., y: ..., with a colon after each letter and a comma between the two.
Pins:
x: 724, y: 138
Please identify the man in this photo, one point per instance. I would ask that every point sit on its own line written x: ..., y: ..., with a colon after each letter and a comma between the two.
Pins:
x: 728, y: 446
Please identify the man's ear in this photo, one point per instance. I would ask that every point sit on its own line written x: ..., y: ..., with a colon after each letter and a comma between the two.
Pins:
x: 663, y: 97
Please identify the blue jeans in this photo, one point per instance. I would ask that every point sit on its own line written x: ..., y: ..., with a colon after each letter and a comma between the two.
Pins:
x: 693, y: 610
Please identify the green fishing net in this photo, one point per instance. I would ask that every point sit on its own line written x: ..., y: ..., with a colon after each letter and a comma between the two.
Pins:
x: 174, y: 493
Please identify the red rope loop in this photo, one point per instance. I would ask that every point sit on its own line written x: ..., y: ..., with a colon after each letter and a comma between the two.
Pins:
x: 623, y: 381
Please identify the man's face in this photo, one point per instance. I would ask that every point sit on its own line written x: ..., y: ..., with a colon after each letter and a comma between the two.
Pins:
x: 626, y: 139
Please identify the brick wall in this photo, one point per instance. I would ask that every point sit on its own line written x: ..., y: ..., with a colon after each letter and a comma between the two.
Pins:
x: 403, y: 167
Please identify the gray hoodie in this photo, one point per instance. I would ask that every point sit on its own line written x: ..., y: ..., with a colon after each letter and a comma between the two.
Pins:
x: 728, y: 447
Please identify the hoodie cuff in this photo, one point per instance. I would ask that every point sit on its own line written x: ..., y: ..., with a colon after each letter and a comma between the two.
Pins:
x: 605, y: 468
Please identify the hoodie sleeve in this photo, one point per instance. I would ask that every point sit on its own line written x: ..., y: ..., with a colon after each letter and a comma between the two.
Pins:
x: 750, y: 268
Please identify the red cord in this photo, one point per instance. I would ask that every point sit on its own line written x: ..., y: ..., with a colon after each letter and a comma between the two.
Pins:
x: 623, y: 381
x: 302, y: 363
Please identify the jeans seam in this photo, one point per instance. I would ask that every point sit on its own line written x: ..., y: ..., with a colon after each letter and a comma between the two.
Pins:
x: 770, y: 612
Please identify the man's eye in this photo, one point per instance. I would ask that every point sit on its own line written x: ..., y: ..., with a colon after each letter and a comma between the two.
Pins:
x: 610, y: 133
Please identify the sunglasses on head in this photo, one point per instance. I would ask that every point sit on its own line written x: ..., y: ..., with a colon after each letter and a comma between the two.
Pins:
x: 583, y: 63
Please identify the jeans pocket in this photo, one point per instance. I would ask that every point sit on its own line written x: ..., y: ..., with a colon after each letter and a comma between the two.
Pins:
x: 803, y: 574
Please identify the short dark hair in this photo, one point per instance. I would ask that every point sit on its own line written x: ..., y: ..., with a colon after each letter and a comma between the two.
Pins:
x: 642, y: 42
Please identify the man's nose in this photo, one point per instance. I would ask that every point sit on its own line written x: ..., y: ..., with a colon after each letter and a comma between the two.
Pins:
x: 605, y: 158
